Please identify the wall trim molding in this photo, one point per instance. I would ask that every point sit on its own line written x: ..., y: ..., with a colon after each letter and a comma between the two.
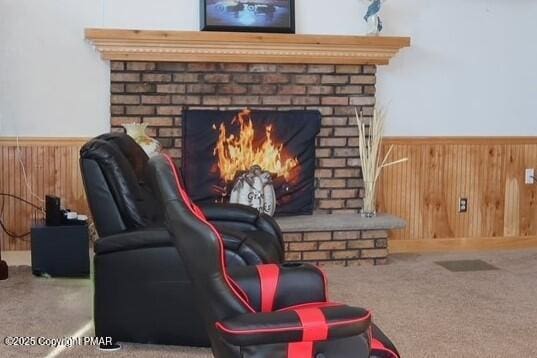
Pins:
x: 461, y: 244
x: 477, y: 140
x: 43, y: 141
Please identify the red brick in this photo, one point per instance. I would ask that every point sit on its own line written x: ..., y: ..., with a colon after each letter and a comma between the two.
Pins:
x: 348, y: 69
x: 292, y: 237
x: 316, y: 255
x: 372, y: 253
x: 156, y: 77
x: 247, y: 78
x: 235, y: 67
x: 124, y: 99
x: 117, y: 66
x: 363, y: 80
x: 322, y: 194
x: 186, y: 77
x: 335, y: 79
x: 171, y: 88
x: 276, y: 78
x: 374, y: 234
x: 186, y: 100
x: 307, y: 79
x: 303, y: 246
x: 217, y: 78
x: 321, y: 90
x: 159, y: 121
x: 321, y: 69
x: 346, y: 173
x: 332, y: 183
x: 119, y: 121
x: 354, y: 162
x: 346, y: 152
x: 331, y: 204
x: 347, y: 254
x: 292, y: 68
x: 332, y: 162
x: 263, y: 89
x: 124, y: 77
x: 323, y: 173
x: 349, y: 89
x: 333, y: 142
x: 157, y: 99
x: 344, y: 193
x: 293, y: 256
x: 142, y: 110
x: 201, y: 88
x: 261, y: 67
x: 306, y: 100
x: 370, y: 90
x: 333, y: 245
x: 346, y: 235
x: 216, y: 100
x: 169, y: 110
x: 363, y: 101
x: 292, y: 89
x: 117, y: 110
x: 140, y: 66
x: 370, y: 69
x: 354, y: 203
x: 246, y: 100
x: 232, y: 89
x: 317, y: 236
x: 381, y: 243
x: 361, y: 244
x: 171, y: 66
x: 140, y: 88
x: 335, y: 101
x: 326, y: 132
x: 276, y: 100
x: 117, y: 88
x: 201, y: 67
x: 334, y: 121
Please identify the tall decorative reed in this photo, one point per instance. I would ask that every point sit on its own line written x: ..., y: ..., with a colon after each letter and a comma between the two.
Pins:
x: 370, y: 143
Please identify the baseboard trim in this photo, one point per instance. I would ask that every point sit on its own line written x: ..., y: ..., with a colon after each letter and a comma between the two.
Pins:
x: 462, y: 244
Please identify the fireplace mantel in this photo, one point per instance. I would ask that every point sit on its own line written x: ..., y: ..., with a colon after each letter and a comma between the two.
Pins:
x: 193, y: 46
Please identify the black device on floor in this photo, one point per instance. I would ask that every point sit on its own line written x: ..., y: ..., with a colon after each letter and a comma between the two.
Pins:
x: 60, y: 251
x: 53, y: 211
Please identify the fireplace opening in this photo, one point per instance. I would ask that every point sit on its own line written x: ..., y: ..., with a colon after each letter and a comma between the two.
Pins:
x: 265, y: 159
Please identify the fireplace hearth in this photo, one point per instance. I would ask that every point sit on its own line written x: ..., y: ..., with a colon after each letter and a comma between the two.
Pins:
x: 223, y: 149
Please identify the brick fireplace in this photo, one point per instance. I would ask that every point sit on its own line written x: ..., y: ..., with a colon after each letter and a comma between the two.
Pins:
x: 157, y: 93
x: 157, y: 75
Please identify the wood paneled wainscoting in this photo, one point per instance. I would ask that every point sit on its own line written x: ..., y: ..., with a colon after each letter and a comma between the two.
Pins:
x: 51, y: 166
x: 489, y: 172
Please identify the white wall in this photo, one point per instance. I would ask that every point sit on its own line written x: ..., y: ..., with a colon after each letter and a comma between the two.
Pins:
x: 471, y: 69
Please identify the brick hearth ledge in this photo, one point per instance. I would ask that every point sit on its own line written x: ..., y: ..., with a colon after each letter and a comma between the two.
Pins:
x: 338, y: 239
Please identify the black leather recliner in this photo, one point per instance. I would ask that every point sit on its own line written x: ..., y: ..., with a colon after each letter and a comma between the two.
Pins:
x: 265, y: 311
x: 142, y: 292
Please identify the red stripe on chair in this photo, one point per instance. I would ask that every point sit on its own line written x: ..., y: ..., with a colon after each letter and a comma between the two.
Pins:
x: 300, y: 350
x: 268, y: 278
x: 377, y: 345
x: 314, y: 324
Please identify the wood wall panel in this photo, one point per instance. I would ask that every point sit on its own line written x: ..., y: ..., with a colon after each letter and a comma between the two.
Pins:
x: 51, y: 168
x: 488, y: 171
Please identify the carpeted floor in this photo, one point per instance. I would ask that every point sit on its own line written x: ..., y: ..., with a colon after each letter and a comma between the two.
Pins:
x: 427, y: 310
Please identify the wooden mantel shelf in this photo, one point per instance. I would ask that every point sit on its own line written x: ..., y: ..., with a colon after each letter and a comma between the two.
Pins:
x: 193, y: 46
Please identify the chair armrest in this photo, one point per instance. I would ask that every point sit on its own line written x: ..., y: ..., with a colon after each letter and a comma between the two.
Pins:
x: 336, y: 321
x: 296, y: 284
x: 223, y: 214
x: 133, y: 240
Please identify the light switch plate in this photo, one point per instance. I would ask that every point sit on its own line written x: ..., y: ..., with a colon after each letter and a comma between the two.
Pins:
x: 530, y: 176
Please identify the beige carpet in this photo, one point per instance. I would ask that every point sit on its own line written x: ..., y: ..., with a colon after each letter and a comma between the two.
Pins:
x: 427, y: 310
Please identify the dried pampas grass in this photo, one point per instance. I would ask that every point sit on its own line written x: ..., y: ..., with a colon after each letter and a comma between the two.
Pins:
x: 370, y: 143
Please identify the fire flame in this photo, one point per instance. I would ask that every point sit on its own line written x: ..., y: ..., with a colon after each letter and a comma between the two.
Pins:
x: 238, y: 153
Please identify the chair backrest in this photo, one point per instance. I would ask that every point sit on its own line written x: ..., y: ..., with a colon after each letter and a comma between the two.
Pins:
x: 198, y: 242
x: 113, y: 171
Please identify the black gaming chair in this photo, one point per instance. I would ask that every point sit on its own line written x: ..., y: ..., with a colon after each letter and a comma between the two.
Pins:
x: 142, y: 292
x: 267, y: 311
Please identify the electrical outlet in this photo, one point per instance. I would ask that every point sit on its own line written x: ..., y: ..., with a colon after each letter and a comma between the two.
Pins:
x: 463, y: 205
x: 530, y: 176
